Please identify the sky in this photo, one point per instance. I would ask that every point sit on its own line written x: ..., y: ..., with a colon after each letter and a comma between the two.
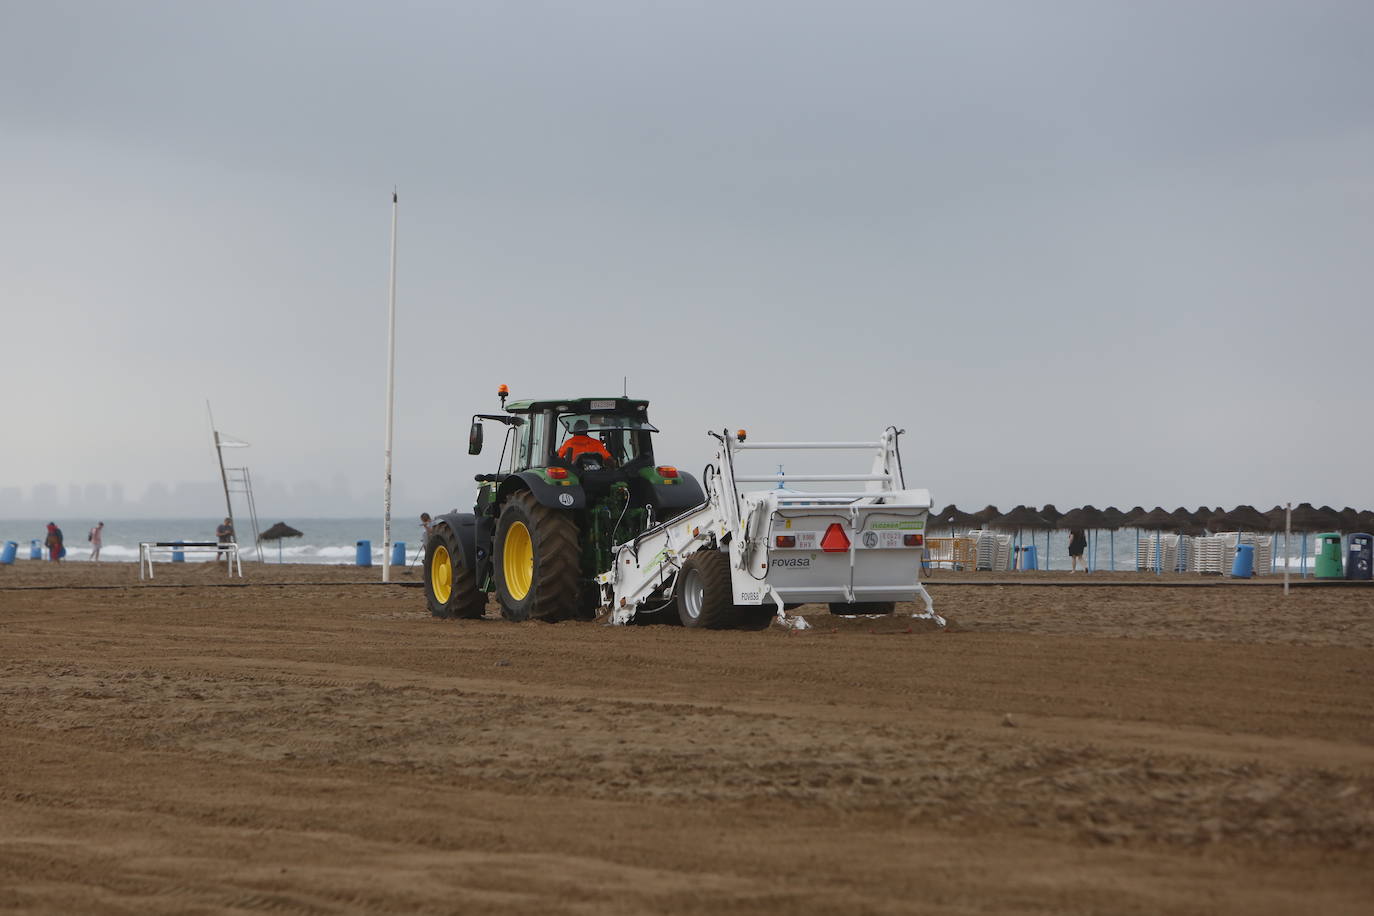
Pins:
x: 1081, y: 252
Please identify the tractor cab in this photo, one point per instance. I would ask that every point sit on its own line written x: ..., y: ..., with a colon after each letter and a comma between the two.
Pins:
x: 618, y: 430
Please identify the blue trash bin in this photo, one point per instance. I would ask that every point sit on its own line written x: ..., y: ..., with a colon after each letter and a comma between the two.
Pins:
x: 1359, y: 557
x: 7, y: 556
x: 398, y: 553
x: 1244, y: 565
x: 35, y: 550
x: 178, y: 555
x: 364, y: 553
x: 1028, y: 560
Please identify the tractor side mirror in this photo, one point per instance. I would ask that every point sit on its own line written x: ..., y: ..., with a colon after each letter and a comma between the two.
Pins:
x: 475, y: 438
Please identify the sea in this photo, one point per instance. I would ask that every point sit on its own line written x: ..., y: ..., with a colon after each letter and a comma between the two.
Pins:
x: 335, y: 541
x: 326, y: 541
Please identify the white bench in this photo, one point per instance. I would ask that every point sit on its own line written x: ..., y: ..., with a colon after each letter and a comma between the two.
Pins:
x: 148, y: 549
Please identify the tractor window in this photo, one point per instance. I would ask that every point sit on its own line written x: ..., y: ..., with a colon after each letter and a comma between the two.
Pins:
x: 540, y: 448
x: 534, y: 450
x: 625, y: 437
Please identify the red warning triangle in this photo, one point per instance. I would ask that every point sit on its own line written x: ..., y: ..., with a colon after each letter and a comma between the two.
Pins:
x: 835, y: 540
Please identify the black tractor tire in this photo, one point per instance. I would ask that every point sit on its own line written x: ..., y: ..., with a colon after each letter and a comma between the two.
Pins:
x: 705, y: 598
x: 450, y: 586
x: 862, y: 608
x: 550, y: 590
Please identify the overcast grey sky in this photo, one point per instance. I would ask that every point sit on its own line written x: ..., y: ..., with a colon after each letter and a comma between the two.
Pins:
x: 1081, y: 251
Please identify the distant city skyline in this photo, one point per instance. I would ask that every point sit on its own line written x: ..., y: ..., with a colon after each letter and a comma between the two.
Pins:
x: 190, y: 499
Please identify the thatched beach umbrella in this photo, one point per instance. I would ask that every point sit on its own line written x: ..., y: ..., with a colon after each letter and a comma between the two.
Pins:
x: 1129, y: 521
x: 1278, y: 522
x: 1018, y: 519
x: 953, y: 517
x: 1076, y: 518
x: 986, y: 514
x: 276, y: 533
x: 1052, y: 515
x: 1096, y: 523
x: 1087, y: 518
x: 1307, y: 520
x: 1113, y: 519
x: 1158, y: 521
x: 1135, y: 513
x: 1186, y: 523
x: 1243, y: 518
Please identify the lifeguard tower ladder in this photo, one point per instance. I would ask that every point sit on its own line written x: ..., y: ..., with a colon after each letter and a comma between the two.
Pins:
x: 236, y: 480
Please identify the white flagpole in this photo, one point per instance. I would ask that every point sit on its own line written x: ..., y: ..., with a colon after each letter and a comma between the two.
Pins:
x: 390, y: 399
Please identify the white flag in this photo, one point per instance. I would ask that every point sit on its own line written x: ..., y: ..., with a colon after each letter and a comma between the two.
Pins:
x: 229, y: 442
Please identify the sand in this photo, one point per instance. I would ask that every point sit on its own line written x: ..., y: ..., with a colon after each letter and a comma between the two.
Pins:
x: 309, y: 740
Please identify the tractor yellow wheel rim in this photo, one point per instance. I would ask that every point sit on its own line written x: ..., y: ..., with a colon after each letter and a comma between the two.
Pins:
x: 517, y: 561
x: 441, y: 575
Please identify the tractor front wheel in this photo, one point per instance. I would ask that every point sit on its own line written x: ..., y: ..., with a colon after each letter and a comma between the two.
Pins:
x: 536, y: 561
x: 450, y: 586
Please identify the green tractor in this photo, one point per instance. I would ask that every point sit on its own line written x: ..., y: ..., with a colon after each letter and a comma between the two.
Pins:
x: 576, y: 477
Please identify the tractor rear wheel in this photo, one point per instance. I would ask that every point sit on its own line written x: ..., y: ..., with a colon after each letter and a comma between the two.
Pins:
x: 861, y: 608
x: 705, y: 598
x: 536, y: 561
x: 450, y: 586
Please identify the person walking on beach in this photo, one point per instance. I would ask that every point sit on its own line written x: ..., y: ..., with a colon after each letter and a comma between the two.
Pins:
x: 426, y: 524
x: 95, y: 537
x: 1078, y: 542
x: 225, y: 534
x: 54, y: 543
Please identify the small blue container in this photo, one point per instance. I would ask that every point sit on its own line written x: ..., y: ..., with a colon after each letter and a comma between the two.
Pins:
x: 1244, y: 565
x: 35, y: 550
x: 398, y: 553
x: 178, y: 555
x: 7, y: 555
x: 1028, y: 558
x: 364, y: 553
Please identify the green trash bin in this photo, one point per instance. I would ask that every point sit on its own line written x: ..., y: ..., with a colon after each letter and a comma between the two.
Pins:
x: 1329, y: 556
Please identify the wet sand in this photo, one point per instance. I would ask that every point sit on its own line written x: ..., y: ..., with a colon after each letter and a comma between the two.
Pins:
x: 309, y: 740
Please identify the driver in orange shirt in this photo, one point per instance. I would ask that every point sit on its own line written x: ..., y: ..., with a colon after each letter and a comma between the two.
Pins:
x: 579, y: 444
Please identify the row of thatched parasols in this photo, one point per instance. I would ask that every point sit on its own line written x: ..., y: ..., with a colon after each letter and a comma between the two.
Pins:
x: 1197, y: 522
x: 1305, y: 519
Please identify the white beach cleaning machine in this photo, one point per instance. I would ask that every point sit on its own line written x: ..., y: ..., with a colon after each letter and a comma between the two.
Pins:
x: 746, y: 556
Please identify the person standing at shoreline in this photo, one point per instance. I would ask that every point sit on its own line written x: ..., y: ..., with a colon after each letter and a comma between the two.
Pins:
x: 225, y: 535
x: 96, y: 538
x: 54, y: 543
